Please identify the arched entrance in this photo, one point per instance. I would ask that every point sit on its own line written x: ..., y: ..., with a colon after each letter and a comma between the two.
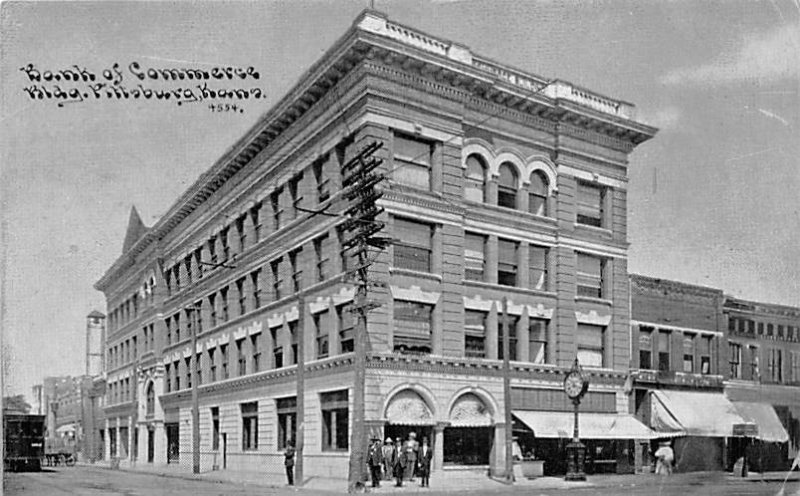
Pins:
x: 408, y: 412
x: 469, y: 437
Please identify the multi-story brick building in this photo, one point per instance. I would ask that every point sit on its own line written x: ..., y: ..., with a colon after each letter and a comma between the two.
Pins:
x: 501, y: 185
x: 696, y: 360
x: 763, y: 355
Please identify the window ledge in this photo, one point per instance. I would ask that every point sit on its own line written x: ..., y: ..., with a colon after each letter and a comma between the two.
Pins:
x: 590, y: 299
x: 491, y: 285
x: 598, y: 230
x: 414, y: 273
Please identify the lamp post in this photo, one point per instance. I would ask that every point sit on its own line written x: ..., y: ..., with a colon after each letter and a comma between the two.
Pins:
x: 575, y: 385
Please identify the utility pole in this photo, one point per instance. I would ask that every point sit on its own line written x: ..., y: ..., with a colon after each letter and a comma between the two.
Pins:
x: 195, y: 401
x: 509, y: 469
x: 359, y: 189
x: 301, y: 388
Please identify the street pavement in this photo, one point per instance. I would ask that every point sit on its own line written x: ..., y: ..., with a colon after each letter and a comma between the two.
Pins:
x: 100, y: 481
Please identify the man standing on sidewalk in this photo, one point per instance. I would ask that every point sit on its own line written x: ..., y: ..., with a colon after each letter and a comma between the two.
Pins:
x: 375, y: 460
x: 388, y: 459
x: 289, y: 462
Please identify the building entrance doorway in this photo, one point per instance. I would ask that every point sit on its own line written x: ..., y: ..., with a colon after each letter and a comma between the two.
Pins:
x: 468, y: 445
x: 402, y: 431
x: 173, y: 442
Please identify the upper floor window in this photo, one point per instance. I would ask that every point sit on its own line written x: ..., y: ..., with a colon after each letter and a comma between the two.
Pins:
x: 537, y: 341
x: 474, y: 256
x: 537, y: 194
x: 151, y: 399
x: 255, y: 351
x: 242, y: 296
x: 688, y: 353
x: 226, y: 248
x: 775, y: 364
x: 321, y: 180
x: 537, y: 267
x: 512, y: 321
x: 591, y: 345
x: 735, y: 358
x: 591, y: 203
x: 346, y: 328
x: 321, y: 334
x: 663, y: 350
x: 413, y: 323
x: 277, y: 278
x: 277, y: 210
x: 212, y: 249
x: 198, y: 261
x: 507, y: 186
x: 412, y: 250
x: 474, y: 334
x: 255, y: 218
x: 645, y: 347
x: 294, y: 193
x: 590, y: 276
x: 412, y: 162
x: 321, y: 257
x: 507, y: 262
x: 705, y: 354
x: 475, y: 179
x: 297, y: 272
x: 755, y: 371
x: 241, y: 232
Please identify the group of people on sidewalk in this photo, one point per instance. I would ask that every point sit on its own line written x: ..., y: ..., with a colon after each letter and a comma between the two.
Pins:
x: 401, y: 460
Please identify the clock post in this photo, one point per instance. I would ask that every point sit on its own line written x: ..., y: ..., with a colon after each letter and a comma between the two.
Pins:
x: 575, y: 385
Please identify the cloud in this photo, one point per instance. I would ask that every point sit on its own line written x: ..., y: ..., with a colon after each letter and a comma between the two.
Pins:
x: 770, y: 56
x: 664, y: 118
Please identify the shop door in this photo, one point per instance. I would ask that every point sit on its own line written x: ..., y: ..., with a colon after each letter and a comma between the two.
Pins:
x: 151, y: 445
x: 467, y: 445
x: 173, y: 443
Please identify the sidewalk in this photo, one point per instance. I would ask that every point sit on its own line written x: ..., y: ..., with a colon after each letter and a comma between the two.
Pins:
x: 450, y: 480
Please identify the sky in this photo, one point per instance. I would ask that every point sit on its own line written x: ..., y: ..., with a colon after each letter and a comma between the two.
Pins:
x: 712, y: 199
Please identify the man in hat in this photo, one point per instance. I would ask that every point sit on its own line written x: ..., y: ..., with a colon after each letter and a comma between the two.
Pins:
x: 664, y: 456
x: 388, y: 458
x: 425, y: 455
x: 399, y: 461
x: 375, y: 461
x: 411, y: 449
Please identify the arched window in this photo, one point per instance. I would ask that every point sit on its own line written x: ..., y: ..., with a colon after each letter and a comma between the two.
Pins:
x: 507, y: 186
x: 151, y: 399
x: 475, y: 179
x: 537, y: 194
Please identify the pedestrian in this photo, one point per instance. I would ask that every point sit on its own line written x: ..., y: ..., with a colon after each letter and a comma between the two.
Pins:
x: 411, y: 449
x: 375, y: 461
x: 289, y: 462
x: 399, y: 462
x: 425, y: 456
x: 388, y: 458
x: 664, y: 458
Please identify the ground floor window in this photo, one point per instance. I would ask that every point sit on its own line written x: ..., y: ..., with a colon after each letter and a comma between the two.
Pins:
x: 123, y: 441
x: 335, y: 433
x: 214, y: 428
x: 112, y: 441
x: 249, y: 426
x: 287, y: 420
x: 467, y: 445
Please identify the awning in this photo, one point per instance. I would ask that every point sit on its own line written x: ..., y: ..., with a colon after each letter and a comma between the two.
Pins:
x: 693, y: 413
x: 590, y: 425
x: 769, y: 425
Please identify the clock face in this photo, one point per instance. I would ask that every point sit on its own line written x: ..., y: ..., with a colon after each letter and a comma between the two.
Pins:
x: 573, y: 384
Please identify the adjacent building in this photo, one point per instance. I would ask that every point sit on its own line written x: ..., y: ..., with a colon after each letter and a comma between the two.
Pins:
x: 506, y: 202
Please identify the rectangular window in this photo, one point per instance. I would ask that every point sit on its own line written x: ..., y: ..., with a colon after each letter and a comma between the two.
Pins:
x: 277, y: 211
x: 294, y: 194
x: 591, y: 349
x: 537, y: 267
x: 646, y: 348
x: 198, y: 365
x: 255, y: 286
x: 474, y: 334
x: 242, y: 294
x: 241, y: 232
x: 735, y: 356
x: 507, y: 262
x: 223, y: 351
x: 760, y: 328
x: 776, y: 365
x: 688, y: 353
x: 187, y: 366
x: 212, y: 310
x: 344, y: 256
x: 705, y: 354
x: 334, y: 408
x: 223, y: 300
x: 256, y: 351
x: 249, y: 426
x: 187, y: 262
x: 277, y: 349
x: 255, y: 218
x: 167, y: 378
x: 198, y: 261
x: 277, y: 278
x: 321, y: 257
x: 286, y: 409
x: 240, y: 357
x: 663, y: 351
x: 769, y: 330
x: 347, y: 323
x: 212, y: 249
x: 176, y: 275
x: 591, y: 199
x: 321, y: 335
x: 198, y: 315
x: 755, y: 372
x: 297, y: 272
x: 291, y: 360
x: 214, y: 428
x: 412, y: 327
x: 513, y: 320
x: 412, y: 250
x: 212, y: 365
x: 590, y: 276
x: 474, y: 256
x: 537, y: 341
x: 751, y: 327
x: 412, y: 162
x: 321, y: 180
x: 226, y: 249
x: 176, y: 371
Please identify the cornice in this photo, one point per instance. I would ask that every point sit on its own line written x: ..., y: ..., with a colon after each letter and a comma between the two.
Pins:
x: 666, y: 287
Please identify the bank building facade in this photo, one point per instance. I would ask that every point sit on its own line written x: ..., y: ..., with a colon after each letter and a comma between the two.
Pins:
x: 506, y: 202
